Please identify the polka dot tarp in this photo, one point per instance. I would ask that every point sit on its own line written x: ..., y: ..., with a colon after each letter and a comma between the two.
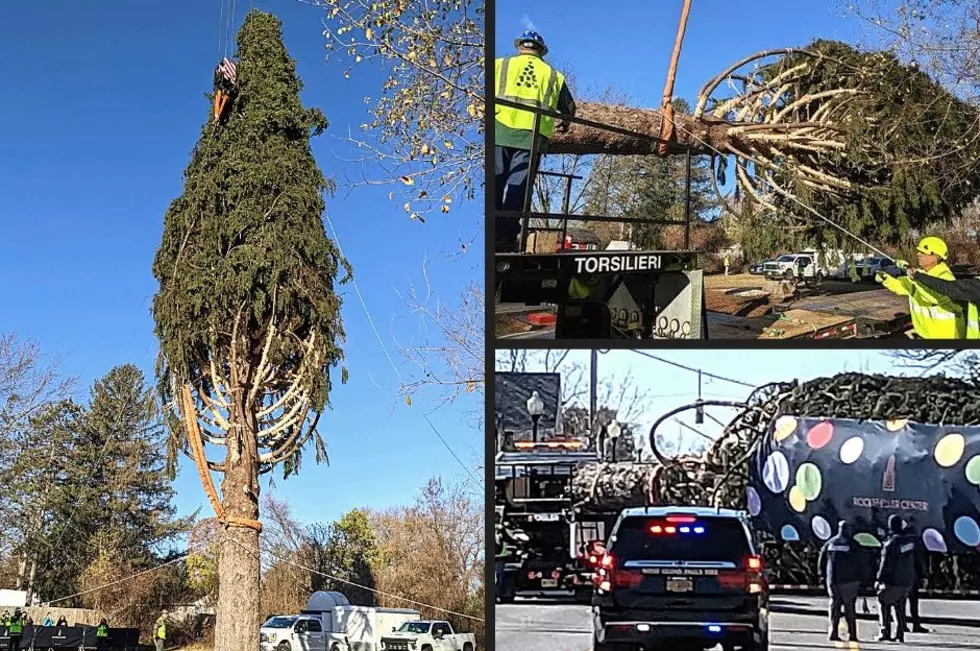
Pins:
x: 809, y: 473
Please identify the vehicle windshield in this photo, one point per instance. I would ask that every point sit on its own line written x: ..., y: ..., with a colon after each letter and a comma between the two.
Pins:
x: 280, y: 622
x: 415, y: 627
x: 709, y: 539
x: 785, y: 258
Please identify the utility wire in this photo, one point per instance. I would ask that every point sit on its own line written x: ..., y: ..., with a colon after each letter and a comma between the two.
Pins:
x: 693, y: 370
x: 394, y: 367
x: 362, y: 587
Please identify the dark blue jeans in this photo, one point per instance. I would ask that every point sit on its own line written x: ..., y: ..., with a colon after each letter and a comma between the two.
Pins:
x: 511, y: 176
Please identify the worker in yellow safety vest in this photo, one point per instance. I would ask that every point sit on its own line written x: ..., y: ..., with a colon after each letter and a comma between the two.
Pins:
x: 523, y: 79
x: 160, y: 631
x: 964, y: 290
x: 934, y: 316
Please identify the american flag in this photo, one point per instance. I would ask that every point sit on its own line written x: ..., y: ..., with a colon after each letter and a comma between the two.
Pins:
x: 228, y: 70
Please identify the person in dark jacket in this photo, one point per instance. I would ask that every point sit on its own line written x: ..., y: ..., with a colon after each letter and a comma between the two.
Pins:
x: 62, y: 621
x: 840, y: 564
x: 920, y: 575
x: 896, y: 575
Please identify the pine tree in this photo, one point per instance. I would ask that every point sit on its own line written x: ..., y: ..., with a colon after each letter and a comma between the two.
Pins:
x: 247, y: 315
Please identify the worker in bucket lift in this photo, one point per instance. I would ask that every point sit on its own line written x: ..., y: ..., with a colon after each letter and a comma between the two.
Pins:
x: 964, y: 290
x: 840, y: 564
x: 225, y: 84
x: 934, y: 316
x: 523, y: 79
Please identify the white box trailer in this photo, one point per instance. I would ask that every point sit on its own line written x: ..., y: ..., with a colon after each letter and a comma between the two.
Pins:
x: 330, y: 623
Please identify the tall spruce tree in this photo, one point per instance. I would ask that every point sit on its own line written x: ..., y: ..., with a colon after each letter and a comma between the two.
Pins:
x: 247, y: 315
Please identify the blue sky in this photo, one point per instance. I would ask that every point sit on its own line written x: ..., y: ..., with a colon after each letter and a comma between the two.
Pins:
x: 668, y: 387
x: 630, y: 47
x: 102, y: 106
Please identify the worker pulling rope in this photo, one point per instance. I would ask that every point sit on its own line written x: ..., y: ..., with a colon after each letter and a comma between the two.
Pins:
x: 189, y: 414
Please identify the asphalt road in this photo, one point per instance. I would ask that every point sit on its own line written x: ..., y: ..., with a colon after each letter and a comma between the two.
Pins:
x: 530, y: 626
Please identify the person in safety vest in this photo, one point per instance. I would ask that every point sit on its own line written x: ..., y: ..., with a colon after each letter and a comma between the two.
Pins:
x: 160, y: 631
x: 504, y: 539
x: 102, y: 634
x: 896, y: 574
x: 840, y: 564
x: 523, y: 79
x: 933, y: 316
x: 15, y: 629
x: 964, y: 290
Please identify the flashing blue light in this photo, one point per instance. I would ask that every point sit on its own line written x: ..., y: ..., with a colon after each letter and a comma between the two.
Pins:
x: 698, y: 529
x: 714, y: 628
x: 685, y: 530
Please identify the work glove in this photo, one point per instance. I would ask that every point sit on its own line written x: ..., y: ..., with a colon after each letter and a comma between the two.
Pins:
x: 562, y: 127
x: 895, y: 271
x: 881, y: 276
x: 901, y: 264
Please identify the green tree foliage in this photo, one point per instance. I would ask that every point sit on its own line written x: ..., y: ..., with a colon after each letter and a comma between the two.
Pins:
x: 345, y: 549
x: 247, y: 273
x: 87, y: 472
x: 908, y: 160
x: 647, y: 187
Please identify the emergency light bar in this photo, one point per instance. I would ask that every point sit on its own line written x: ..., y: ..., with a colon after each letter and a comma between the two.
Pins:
x: 672, y: 529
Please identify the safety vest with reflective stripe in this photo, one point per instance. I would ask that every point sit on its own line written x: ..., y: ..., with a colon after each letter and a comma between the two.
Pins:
x: 933, y: 316
x: 526, y: 79
x: 972, y: 321
x: 16, y: 626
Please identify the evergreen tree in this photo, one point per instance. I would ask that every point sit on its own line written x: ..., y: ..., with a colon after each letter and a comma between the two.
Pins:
x: 125, y: 444
x: 247, y: 317
x: 648, y: 187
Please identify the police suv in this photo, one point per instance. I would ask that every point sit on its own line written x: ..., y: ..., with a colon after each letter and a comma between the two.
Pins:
x: 689, y: 577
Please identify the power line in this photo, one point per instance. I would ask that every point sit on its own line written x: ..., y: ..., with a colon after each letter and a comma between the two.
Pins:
x: 362, y: 587
x: 391, y: 361
x: 693, y: 370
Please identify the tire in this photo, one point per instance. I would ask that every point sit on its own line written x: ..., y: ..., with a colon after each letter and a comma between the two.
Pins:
x: 761, y: 645
x: 427, y: 648
x: 283, y: 646
x: 335, y: 647
x: 820, y: 277
x: 467, y: 647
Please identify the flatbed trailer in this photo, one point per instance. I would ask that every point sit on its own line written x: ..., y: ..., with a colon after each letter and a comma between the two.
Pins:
x: 868, y: 314
x: 631, y: 294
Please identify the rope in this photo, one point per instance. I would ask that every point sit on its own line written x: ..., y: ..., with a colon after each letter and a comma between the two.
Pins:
x: 182, y: 557
x: 384, y: 348
x: 667, y: 124
x: 189, y: 414
x: 362, y: 587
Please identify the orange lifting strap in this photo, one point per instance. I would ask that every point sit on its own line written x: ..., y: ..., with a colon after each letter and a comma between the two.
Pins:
x: 189, y: 414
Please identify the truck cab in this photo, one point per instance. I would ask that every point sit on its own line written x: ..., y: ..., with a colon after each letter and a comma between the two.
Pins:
x: 293, y: 633
x: 427, y: 635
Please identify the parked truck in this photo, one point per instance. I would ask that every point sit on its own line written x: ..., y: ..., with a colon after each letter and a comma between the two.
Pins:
x: 424, y: 635
x: 330, y: 623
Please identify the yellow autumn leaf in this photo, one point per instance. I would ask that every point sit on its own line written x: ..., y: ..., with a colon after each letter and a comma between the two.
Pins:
x: 447, y: 144
x: 369, y: 33
x: 408, y: 207
x: 471, y: 109
x: 445, y: 208
x: 408, y: 400
x: 425, y: 149
x: 408, y: 180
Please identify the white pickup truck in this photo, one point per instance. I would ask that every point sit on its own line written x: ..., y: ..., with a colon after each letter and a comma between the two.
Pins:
x: 428, y: 636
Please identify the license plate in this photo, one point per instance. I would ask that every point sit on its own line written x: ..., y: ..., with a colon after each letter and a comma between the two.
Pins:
x: 549, y: 583
x: 546, y: 517
x: 679, y: 585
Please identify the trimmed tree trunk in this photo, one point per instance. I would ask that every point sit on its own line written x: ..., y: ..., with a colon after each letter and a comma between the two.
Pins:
x: 588, y: 140
x: 238, y: 608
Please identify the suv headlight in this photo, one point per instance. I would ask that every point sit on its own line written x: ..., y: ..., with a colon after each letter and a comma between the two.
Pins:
x: 272, y: 637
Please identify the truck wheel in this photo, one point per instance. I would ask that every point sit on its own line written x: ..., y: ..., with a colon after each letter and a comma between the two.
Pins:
x: 583, y: 595
x: 467, y: 647
x: 283, y: 646
x: 335, y: 647
x: 761, y: 645
x: 427, y: 648
x: 820, y: 277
